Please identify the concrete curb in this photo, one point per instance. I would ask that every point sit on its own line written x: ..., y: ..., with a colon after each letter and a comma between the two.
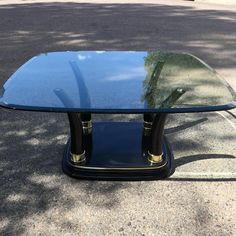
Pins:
x: 221, y: 2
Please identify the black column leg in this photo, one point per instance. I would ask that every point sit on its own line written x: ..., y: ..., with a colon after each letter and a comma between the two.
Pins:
x: 77, y: 153
x: 157, y: 131
x: 86, y: 119
x: 86, y: 123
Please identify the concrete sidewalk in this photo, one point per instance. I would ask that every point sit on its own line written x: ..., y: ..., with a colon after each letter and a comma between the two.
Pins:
x: 36, y: 198
x: 221, y: 2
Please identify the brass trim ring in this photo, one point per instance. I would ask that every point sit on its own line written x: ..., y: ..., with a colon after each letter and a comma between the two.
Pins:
x: 147, y: 125
x: 87, y: 126
x: 77, y: 158
x: 155, y: 158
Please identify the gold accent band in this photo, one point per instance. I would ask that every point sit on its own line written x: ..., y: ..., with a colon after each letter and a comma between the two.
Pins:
x: 77, y: 158
x: 147, y: 125
x: 87, y: 126
x: 155, y: 158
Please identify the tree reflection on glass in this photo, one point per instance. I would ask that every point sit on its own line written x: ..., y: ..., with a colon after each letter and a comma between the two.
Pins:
x: 153, y: 96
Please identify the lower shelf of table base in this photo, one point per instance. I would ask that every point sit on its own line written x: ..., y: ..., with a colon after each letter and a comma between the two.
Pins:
x: 118, y: 151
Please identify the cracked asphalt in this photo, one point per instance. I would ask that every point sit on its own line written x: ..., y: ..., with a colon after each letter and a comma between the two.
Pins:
x: 36, y: 198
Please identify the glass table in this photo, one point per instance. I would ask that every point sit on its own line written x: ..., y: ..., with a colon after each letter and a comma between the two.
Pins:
x: 151, y: 83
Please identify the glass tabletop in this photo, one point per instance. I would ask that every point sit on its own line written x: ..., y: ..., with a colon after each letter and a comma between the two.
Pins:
x: 116, y: 82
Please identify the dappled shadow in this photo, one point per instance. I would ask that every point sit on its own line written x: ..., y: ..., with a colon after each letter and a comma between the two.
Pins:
x: 32, y: 182
x: 24, y: 154
x: 29, y: 29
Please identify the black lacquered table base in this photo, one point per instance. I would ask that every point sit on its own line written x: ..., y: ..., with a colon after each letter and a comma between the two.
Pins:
x: 118, y: 151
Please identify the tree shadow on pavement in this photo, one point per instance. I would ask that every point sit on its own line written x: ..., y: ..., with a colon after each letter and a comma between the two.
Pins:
x: 29, y: 29
x: 32, y: 182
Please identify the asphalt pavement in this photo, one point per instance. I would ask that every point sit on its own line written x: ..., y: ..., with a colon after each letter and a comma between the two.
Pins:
x: 36, y: 198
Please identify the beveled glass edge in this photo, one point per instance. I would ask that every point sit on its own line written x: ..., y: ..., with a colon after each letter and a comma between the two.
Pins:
x: 227, y: 106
